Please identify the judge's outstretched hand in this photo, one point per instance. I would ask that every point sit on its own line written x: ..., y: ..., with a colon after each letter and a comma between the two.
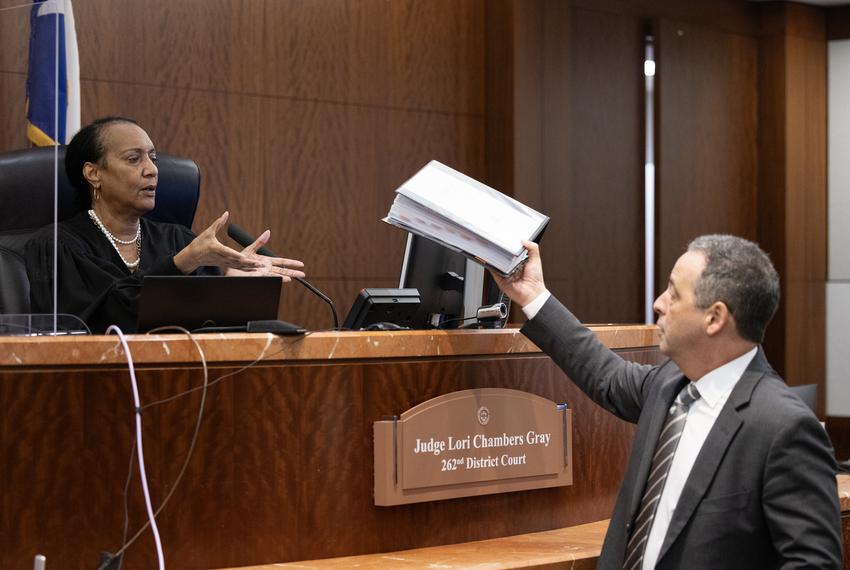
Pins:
x: 207, y: 250
x: 526, y: 283
x: 281, y: 267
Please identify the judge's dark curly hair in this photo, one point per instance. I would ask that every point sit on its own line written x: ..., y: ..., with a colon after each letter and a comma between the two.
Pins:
x: 87, y: 146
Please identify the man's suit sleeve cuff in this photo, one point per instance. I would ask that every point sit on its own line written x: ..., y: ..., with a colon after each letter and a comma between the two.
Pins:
x: 534, y: 307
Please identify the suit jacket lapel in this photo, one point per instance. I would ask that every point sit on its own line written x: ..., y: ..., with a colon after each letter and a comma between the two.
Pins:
x: 666, y: 394
x: 710, y: 456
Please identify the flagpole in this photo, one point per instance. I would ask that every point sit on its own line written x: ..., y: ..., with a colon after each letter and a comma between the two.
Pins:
x: 56, y: 174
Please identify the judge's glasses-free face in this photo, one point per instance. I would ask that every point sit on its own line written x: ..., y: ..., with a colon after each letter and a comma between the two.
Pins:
x: 127, y: 173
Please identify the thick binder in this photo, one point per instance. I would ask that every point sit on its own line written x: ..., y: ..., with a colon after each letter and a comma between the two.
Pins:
x: 466, y: 216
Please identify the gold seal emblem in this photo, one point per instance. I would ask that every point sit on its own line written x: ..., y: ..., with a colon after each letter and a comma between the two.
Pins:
x: 483, y: 415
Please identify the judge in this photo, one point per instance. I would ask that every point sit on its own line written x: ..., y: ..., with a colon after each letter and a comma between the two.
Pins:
x: 107, y: 247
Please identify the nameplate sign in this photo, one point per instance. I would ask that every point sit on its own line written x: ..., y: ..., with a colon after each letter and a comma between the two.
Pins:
x: 472, y: 442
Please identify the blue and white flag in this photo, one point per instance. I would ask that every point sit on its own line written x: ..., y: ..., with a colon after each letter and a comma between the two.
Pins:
x: 49, y: 123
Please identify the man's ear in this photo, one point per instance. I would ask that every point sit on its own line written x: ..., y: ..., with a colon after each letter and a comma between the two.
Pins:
x: 717, y: 318
x: 91, y: 173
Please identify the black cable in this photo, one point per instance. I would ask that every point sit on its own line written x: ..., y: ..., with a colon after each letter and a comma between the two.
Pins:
x: 444, y: 323
x: 322, y: 296
x: 242, y: 237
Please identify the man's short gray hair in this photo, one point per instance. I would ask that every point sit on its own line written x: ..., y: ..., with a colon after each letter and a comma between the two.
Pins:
x: 741, y: 275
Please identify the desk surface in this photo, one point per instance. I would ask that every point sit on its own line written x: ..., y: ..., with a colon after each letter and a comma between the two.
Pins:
x: 173, y: 349
x: 577, y: 545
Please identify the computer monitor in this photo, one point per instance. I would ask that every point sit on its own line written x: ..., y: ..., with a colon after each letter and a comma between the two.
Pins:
x: 383, y: 309
x: 450, y: 285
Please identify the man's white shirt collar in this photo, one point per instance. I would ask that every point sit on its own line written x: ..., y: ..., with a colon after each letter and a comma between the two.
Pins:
x: 715, y: 386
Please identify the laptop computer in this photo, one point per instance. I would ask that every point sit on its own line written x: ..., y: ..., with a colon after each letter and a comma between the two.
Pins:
x: 207, y: 302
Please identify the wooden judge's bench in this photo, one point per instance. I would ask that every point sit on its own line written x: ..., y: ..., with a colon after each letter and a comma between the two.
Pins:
x: 283, y: 467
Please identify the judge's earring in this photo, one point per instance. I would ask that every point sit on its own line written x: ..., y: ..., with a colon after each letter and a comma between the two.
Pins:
x: 96, y: 193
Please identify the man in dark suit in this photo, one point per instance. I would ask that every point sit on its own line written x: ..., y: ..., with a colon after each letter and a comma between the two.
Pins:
x: 728, y: 468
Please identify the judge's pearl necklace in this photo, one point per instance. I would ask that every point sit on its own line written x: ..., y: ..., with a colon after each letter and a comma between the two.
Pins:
x: 115, y: 241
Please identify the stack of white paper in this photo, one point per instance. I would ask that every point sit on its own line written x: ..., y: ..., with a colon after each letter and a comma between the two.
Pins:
x: 459, y: 212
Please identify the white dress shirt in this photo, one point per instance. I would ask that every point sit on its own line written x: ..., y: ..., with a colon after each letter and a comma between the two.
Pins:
x: 534, y: 307
x: 714, y: 389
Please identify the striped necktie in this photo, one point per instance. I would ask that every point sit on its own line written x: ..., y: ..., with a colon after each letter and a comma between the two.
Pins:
x: 661, y: 461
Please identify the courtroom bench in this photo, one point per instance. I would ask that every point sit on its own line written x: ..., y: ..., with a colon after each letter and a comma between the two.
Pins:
x: 293, y: 419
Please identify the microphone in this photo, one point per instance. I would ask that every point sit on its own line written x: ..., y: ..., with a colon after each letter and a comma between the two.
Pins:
x: 244, y: 239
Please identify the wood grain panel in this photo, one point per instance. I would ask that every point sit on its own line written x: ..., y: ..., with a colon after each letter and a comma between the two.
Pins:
x: 838, y: 23
x: 561, y: 47
x: 527, y: 25
x: 341, y: 165
x: 564, y: 136
x: 213, y: 483
x: 283, y: 461
x: 806, y: 218
x: 772, y: 177
x: 804, y: 311
x: 793, y: 19
x: 839, y: 432
x: 196, y: 43
x: 399, y: 54
x: 792, y: 188
x: 425, y: 55
x: 723, y: 15
x: 707, y: 125
x: 14, y: 36
x: 806, y: 166
x: 41, y: 438
x: 602, y: 192
x: 500, y: 118
x: 845, y: 538
x: 13, y: 122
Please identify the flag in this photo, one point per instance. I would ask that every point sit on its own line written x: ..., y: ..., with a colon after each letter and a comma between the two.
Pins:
x: 43, y: 129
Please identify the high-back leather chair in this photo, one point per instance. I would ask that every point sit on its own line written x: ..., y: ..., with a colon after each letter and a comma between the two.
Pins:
x: 26, y: 205
x: 809, y: 394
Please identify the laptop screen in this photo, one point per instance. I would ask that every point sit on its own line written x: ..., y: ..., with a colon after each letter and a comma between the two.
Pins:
x: 201, y: 301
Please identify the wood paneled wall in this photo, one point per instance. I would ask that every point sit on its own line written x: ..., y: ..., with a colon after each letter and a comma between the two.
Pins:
x: 838, y: 23
x: 740, y: 140
x: 792, y: 188
x: 707, y: 129
x: 573, y: 146
x: 303, y: 116
x: 571, y: 96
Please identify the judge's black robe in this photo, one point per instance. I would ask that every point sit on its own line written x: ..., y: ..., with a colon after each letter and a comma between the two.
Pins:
x: 93, y: 282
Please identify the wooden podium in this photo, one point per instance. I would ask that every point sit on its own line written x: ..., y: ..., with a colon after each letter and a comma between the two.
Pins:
x: 282, y: 469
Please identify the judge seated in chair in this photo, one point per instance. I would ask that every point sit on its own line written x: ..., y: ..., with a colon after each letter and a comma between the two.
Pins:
x: 107, y: 247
